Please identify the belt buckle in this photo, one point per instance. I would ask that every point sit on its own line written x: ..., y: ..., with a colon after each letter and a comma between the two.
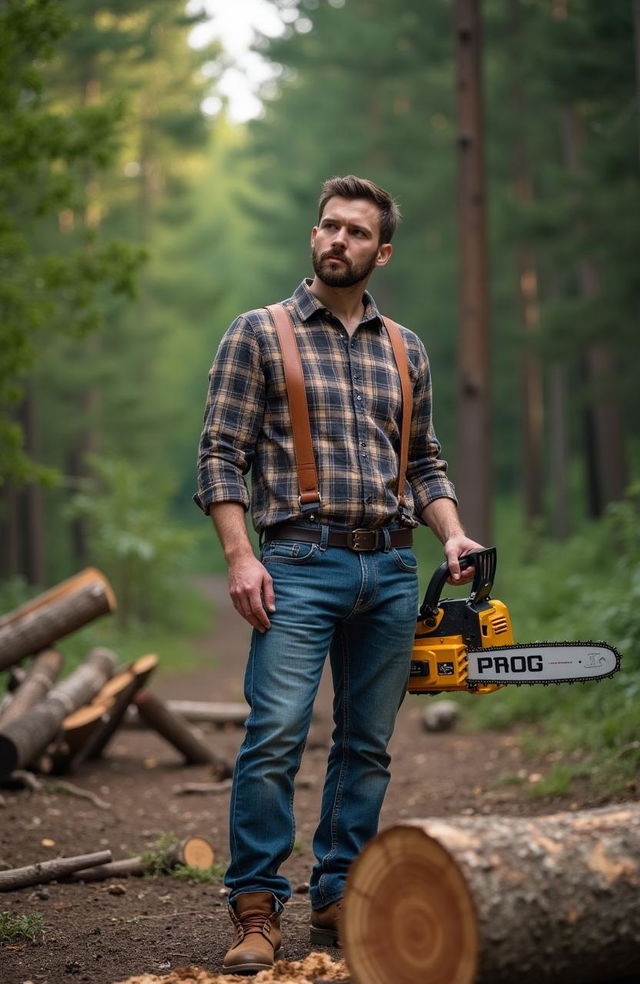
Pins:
x: 362, y: 540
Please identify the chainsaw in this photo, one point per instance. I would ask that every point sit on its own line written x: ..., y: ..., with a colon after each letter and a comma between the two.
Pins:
x: 467, y: 644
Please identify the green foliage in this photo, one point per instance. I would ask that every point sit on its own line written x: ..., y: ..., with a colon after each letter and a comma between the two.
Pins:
x: 200, y: 876
x: 133, y: 540
x: 50, y: 283
x: 158, y: 861
x: 586, y: 588
x: 14, y: 928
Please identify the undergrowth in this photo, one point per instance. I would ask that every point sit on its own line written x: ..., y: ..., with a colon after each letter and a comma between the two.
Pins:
x: 14, y: 928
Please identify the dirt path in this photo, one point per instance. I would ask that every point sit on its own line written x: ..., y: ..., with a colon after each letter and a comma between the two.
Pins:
x: 105, y: 932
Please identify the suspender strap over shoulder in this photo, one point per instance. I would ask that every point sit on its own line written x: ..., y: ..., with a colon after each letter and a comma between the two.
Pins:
x: 309, y: 498
x: 400, y: 355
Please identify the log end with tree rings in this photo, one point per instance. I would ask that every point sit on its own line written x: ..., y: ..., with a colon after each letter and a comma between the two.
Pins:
x: 195, y: 852
x: 409, y: 914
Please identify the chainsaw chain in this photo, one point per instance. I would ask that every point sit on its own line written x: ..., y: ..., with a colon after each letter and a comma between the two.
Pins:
x: 546, y: 645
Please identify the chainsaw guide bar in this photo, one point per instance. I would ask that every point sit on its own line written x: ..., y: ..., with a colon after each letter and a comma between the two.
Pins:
x: 543, y: 663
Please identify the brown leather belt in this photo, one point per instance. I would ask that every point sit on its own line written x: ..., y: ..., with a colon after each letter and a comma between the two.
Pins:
x: 359, y: 540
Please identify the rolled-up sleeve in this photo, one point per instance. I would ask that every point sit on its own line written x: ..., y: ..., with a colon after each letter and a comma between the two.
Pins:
x: 426, y: 471
x: 232, y: 419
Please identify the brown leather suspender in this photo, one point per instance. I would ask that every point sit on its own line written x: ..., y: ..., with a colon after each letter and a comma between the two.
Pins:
x: 309, y: 498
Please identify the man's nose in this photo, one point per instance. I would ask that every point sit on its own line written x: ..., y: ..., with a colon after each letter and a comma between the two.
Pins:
x: 339, y: 238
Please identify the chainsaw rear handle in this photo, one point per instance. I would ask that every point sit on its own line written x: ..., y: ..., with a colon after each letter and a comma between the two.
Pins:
x: 484, y: 562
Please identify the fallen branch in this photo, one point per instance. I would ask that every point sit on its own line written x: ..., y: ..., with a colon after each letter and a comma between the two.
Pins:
x: 61, y: 786
x: 189, y: 788
x: 45, y: 871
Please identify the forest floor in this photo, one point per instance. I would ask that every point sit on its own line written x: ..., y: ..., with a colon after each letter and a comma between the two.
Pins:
x: 108, y: 932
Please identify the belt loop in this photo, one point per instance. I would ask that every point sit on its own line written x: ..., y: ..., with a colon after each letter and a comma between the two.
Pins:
x: 324, y: 536
x: 387, y: 539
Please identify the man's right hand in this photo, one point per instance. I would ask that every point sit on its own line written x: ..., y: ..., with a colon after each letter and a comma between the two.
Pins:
x: 251, y: 591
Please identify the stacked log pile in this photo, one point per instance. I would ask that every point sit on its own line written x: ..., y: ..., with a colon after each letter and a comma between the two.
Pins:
x: 53, y: 727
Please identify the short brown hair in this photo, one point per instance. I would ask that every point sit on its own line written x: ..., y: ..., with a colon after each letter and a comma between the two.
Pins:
x: 350, y: 186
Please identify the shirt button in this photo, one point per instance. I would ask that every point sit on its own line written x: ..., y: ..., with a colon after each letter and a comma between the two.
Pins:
x: 369, y: 499
x: 362, y: 444
x: 358, y: 397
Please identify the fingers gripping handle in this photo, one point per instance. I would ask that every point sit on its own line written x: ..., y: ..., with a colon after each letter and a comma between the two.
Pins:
x: 484, y: 562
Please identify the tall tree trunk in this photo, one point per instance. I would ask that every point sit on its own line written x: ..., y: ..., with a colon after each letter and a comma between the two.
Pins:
x: 11, y: 554
x: 559, y: 452
x: 473, y: 398
x: 636, y: 39
x: 605, y: 456
x: 33, y: 504
x: 532, y: 399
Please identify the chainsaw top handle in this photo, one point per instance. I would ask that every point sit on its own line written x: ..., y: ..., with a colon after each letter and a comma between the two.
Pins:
x: 484, y: 562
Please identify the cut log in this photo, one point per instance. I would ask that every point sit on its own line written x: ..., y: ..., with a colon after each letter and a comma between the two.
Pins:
x: 26, y: 737
x: 37, y: 682
x: 77, y: 730
x: 158, y: 716
x: 46, y: 871
x: 214, y: 712
x: 493, y: 900
x: 194, y: 852
x: 118, y: 694
x: 51, y: 616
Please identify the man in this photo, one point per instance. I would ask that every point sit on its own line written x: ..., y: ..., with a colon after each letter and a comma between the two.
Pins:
x: 313, y: 591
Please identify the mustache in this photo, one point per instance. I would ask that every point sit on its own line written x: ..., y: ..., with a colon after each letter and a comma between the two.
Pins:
x: 332, y: 255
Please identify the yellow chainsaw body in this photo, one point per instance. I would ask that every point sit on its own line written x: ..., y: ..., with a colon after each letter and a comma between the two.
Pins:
x: 439, y: 663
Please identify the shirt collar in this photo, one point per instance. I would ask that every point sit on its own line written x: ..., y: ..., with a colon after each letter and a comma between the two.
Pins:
x: 307, y: 304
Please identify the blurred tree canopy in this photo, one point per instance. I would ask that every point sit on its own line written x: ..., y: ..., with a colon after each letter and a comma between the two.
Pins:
x: 133, y: 229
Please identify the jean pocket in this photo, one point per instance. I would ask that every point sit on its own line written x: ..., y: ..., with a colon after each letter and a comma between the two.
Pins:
x: 288, y: 552
x: 405, y: 559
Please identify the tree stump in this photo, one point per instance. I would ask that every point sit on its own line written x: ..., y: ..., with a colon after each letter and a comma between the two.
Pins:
x: 52, y: 615
x: 494, y: 900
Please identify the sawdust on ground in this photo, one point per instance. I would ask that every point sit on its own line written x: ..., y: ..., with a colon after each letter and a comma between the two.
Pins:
x: 317, y: 968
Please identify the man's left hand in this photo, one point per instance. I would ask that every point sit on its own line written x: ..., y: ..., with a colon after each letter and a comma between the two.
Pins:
x: 455, y: 548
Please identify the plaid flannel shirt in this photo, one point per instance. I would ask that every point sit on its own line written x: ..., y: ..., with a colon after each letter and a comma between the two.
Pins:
x: 355, y: 407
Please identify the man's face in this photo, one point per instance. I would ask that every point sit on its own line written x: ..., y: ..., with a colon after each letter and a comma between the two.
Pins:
x: 345, y: 246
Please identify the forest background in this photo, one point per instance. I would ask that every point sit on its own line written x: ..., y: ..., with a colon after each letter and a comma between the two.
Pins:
x: 134, y: 226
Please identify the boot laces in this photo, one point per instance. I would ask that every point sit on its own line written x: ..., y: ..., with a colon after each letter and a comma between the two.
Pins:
x: 254, y: 922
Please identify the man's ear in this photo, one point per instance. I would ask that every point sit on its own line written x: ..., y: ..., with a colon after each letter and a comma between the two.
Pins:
x: 384, y: 254
x: 314, y: 233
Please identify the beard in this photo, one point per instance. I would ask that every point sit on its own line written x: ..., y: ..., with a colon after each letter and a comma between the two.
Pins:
x: 345, y: 275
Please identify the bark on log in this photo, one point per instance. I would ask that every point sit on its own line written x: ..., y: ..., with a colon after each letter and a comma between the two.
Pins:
x: 53, y: 615
x: 23, y: 739
x: 493, y: 900
x: 157, y: 715
x: 45, y: 871
x: 37, y: 682
x: 118, y: 694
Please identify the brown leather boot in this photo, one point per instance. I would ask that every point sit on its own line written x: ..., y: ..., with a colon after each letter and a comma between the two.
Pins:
x: 325, y: 924
x: 257, y: 942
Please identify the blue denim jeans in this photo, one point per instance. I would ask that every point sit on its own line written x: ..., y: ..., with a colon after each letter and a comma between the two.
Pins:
x: 360, y: 608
